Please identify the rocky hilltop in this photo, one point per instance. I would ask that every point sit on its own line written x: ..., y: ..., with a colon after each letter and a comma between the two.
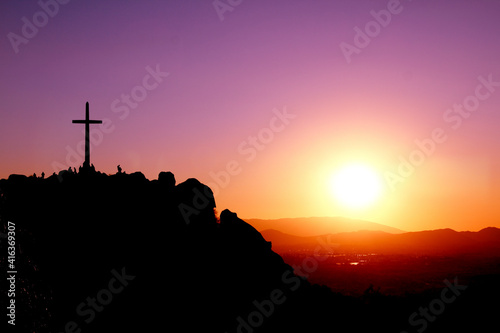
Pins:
x: 115, y: 253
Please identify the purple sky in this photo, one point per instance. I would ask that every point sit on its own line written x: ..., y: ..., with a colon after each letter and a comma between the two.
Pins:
x: 227, y: 76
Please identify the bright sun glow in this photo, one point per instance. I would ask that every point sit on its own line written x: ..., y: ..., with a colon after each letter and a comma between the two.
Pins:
x: 356, y: 186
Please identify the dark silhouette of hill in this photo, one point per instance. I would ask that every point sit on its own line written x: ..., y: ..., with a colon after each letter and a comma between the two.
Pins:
x: 116, y: 253
x: 186, y: 270
x: 314, y: 226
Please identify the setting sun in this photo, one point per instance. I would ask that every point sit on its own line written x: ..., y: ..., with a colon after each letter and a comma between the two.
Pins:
x: 356, y: 186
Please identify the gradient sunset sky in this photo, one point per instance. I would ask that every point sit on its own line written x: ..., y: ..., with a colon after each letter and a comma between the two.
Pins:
x: 264, y: 100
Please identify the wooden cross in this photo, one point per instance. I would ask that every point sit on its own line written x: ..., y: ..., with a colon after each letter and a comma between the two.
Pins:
x: 87, y: 123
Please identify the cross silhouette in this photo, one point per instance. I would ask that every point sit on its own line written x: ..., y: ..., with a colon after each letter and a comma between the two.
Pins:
x: 87, y: 123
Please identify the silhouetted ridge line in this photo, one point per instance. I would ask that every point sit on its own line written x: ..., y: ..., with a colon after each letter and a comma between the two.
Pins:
x: 176, y: 266
x: 75, y: 232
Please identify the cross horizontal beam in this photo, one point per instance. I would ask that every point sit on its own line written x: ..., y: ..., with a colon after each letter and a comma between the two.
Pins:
x: 87, y: 121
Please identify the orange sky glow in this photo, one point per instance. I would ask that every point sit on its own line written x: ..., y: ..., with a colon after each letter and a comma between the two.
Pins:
x: 265, y: 106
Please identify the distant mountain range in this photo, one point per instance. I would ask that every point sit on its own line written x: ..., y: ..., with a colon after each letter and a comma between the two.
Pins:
x: 314, y: 226
x: 485, y: 242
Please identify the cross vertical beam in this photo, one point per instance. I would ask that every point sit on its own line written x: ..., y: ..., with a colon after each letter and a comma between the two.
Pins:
x: 87, y: 123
